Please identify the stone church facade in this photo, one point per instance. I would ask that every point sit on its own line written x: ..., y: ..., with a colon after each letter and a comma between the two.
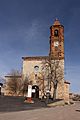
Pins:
x: 32, y: 66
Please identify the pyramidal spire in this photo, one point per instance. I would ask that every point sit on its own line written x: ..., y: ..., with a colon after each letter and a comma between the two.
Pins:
x: 56, y: 22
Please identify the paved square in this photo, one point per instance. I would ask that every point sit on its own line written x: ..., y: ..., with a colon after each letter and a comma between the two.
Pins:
x: 68, y: 112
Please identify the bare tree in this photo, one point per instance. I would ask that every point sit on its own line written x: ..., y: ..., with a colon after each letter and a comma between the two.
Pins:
x: 41, y: 84
x: 15, y: 83
x: 25, y: 83
x: 54, y: 74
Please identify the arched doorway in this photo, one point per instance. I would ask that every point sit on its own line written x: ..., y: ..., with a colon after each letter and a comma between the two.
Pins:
x: 36, y: 93
x: 0, y: 87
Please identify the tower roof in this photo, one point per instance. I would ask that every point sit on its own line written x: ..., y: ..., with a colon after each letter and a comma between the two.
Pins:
x: 56, y: 22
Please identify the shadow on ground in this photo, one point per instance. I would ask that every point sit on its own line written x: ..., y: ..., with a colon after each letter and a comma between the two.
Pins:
x: 78, y: 110
x: 12, y: 103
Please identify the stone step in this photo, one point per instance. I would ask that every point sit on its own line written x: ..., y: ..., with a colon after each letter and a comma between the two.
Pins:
x: 57, y: 103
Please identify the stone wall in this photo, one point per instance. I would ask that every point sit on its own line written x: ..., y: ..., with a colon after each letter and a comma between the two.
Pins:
x: 28, y: 66
x: 66, y: 91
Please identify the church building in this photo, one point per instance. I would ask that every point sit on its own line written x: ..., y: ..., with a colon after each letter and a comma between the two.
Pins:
x: 46, y: 73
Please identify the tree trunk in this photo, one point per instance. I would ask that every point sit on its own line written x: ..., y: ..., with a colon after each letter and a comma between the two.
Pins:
x: 55, y: 92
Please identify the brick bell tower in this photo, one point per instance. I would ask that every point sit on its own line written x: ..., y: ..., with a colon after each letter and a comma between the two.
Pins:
x: 57, y: 53
x: 57, y: 40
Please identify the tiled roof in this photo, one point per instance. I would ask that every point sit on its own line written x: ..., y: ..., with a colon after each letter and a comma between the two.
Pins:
x: 35, y: 58
x: 67, y: 82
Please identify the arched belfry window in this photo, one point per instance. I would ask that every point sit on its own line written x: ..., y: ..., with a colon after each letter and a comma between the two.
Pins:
x: 56, y: 32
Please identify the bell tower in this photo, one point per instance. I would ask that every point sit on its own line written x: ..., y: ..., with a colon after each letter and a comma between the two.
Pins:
x: 57, y: 40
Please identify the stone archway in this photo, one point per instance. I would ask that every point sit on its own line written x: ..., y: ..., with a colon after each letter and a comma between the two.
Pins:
x: 0, y: 87
x: 36, y: 93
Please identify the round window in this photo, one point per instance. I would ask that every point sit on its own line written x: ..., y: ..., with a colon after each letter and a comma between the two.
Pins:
x: 36, y: 68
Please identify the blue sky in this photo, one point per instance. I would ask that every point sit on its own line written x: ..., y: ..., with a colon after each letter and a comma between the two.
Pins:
x: 24, y: 31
